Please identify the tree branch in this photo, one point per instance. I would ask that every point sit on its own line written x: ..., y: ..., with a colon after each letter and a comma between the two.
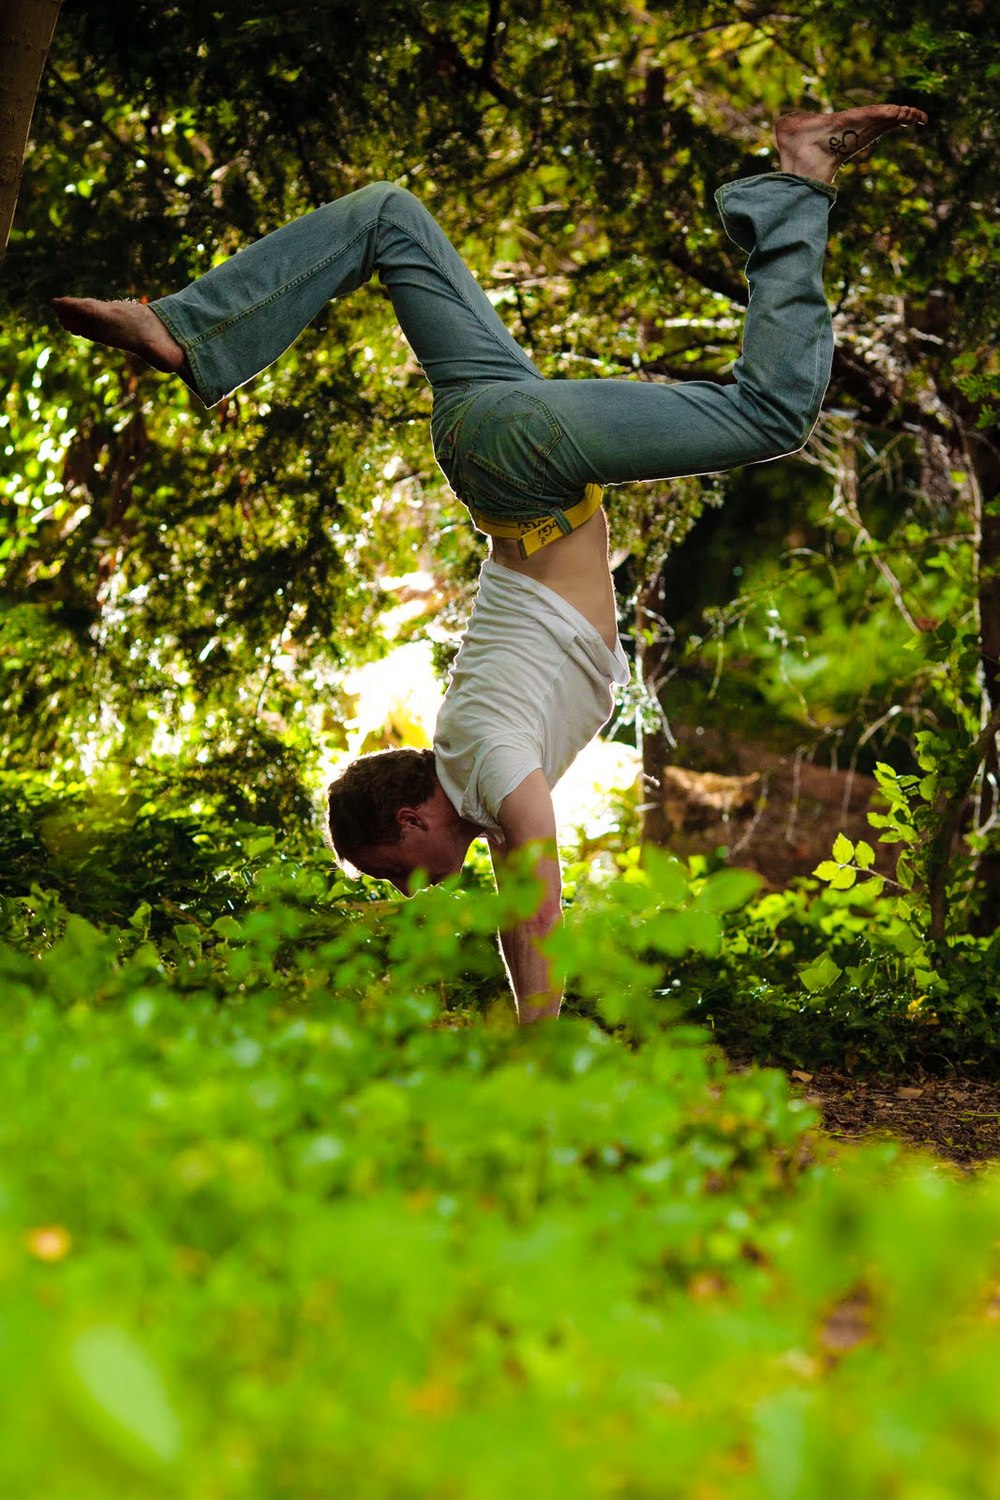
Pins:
x: 490, y: 42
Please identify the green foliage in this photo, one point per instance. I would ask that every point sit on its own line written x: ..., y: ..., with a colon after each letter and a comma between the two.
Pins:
x: 859, y: 976
x: 286, y: 1202
x: 948, y: 976
x: 279, y: 1204
x: 841, y: 979
x: 203, y: 575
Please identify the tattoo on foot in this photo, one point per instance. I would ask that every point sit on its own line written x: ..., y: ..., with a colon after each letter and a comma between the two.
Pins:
x: 846, y: 144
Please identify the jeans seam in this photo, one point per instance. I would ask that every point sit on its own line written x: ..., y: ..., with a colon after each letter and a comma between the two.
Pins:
x: 289, y: 286
x: 470, y: 307
x: 380, y: 216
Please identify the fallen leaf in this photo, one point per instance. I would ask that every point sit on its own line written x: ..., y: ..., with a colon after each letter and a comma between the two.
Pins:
x: 909, y: 1093
x: 802, y: 1077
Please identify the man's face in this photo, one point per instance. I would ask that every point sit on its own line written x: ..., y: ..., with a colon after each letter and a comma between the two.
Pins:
x: 419, y: 848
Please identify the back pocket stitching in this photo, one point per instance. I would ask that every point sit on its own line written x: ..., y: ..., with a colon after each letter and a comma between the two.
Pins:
x: 536, y: 408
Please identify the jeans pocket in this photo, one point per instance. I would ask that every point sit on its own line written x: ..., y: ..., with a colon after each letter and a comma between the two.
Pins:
x: 506, y: 455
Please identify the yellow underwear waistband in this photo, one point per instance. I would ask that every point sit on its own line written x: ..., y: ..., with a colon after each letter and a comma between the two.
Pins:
x: 532, y: 535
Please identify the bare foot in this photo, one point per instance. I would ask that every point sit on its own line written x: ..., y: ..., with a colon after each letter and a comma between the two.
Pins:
x: 817, y: 145
x: 122, y: 325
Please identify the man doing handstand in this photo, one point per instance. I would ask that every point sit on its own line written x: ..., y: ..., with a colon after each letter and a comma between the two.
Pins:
x: 529, y: 457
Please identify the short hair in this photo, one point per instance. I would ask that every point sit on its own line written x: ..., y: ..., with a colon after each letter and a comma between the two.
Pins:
x: 363, y: 800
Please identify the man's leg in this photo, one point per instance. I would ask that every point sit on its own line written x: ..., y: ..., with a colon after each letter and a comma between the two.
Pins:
x: 237, y: 319
x: 616, y: 431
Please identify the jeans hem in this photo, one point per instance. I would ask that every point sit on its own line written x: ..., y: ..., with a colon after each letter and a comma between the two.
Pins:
x: 827, y: 189
x: 193, y: 377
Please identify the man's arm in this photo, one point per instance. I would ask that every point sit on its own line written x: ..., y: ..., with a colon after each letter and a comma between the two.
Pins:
x: 526, y: 817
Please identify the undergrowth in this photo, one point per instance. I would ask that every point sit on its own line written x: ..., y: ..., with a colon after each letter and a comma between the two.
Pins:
x: 288, y: 1206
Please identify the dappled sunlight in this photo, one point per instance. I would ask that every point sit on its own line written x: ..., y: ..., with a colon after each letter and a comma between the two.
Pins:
x: 599, y: 786
x: 397, y: 700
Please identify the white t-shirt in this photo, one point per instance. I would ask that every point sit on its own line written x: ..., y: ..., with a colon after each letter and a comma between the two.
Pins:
x: 531, y: 685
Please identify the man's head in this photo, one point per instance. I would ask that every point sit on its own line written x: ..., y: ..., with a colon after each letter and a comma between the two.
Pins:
x: 389, y: 816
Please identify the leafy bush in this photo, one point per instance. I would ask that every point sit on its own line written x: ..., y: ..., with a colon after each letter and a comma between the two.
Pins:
x: 884, y: 973
x: 280, y: 1214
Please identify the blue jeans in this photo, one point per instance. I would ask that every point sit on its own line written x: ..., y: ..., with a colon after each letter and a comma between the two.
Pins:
x: 510, y: 442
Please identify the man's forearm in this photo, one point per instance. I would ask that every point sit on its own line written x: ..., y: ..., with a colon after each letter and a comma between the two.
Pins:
x: 527, y: 822
x: 535, y: 993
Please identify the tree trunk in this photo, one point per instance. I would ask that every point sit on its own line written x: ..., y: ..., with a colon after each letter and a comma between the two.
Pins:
x: 26, y: 31
x: 984, y: 454
x: 985, y: 457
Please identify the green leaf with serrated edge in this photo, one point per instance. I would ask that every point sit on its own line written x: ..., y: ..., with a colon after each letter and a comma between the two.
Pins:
x: 827, y: 870
x: 864, y: 855
x: 844, y: 878
x: 843, y: 849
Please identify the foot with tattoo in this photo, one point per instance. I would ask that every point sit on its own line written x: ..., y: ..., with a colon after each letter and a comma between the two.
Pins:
x: 817, y: 145
x: 122, y: 325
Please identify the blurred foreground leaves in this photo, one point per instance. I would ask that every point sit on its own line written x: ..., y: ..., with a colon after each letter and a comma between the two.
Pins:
x: 278, y: 1203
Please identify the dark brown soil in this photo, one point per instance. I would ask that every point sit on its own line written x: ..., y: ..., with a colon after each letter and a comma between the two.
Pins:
x: 955, y: 1118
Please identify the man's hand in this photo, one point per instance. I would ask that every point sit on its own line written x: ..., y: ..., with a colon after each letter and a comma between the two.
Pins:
x: 526, y: 817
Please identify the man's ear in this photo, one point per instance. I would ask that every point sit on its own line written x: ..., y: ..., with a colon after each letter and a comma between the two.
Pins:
x: 410, y: 817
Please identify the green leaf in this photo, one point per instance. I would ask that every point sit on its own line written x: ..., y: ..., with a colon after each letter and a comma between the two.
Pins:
x: 227, y: 927
x: 820, y: 975
x: 701, y: 931
x: 667, y: 876
x: 828, y: 870
x: 123, y: 1399
x: 843, y: 849
x: 728, y: 889
x: 864, y: 854
x: 140, y: 917
x: 904, y: 940
x: 257, y: 845
x: 844, y: 878
x: 188, y: 936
